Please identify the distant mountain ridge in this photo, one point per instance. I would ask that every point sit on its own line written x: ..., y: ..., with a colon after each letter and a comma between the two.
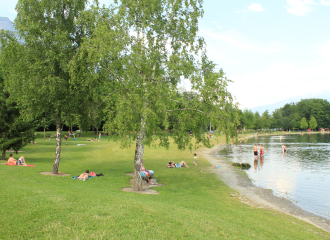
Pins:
x: 6, y: 24
x: 272, y: 107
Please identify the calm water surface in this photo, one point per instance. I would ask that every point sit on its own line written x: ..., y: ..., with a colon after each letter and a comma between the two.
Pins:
x: 302, y: 175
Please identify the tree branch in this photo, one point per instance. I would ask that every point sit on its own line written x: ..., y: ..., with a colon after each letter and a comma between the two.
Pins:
x: 184, y: 109
x: 110, y: 95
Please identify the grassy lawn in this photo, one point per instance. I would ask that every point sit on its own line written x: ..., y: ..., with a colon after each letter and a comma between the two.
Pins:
x: 192, y: 204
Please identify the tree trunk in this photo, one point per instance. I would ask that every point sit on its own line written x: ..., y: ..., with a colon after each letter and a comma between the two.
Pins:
x: 58, y: 144
x: 3, y: 154
x: 44, y: 134
x: 137, y: 180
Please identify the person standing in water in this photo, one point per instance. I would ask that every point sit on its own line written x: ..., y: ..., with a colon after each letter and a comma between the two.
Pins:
x: 283, y: 148
x: 255, y: 152
x: 262, y: 150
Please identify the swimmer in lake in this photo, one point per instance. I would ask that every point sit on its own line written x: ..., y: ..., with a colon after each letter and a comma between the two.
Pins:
x: 255, y: 152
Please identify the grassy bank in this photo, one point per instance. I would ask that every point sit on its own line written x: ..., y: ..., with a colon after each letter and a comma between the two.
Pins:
x: 192, y: 204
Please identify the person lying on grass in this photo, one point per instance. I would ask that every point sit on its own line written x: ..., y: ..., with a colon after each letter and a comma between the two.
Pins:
x: 20, y: 161
x: 171, y: 164
x: 84, y: 175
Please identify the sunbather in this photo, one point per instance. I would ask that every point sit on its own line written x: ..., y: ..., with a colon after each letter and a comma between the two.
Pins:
x: 12, y: 160
x: 172, y: 164
x: 84, y: 175
x: 20, y: 161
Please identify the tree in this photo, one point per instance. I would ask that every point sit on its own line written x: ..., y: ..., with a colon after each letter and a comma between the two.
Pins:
x: 142, y: 49
x: 277, y: 119
x: 249, y: 119
x: 312, y: 123
x: 15, y: 133
x: 265, y: 119
x: 39, y: 67
x: 303, y: 123
x: 257, y: 121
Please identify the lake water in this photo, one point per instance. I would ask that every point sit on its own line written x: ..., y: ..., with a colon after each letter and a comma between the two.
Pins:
x: 302, y: 175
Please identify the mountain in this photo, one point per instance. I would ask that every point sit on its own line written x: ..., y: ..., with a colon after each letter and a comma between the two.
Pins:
x: 271, y: 107
x: 6, y: 24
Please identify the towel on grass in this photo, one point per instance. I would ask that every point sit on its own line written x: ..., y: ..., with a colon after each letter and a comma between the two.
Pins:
x: 9, y: 164
x: 76, y: 177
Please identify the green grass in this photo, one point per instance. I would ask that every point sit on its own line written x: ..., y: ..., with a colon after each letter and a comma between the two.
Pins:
x: 192, y: 204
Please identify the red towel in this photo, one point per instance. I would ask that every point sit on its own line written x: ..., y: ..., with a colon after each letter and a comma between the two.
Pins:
x: 19, y: 165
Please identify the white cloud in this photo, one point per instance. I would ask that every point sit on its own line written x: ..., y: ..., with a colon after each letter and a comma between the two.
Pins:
x: 324, y: 2
x: 299, y: 7
x: 256, y: 7
x: 325, y: 51
x: 276, y: 83
x: 239, y: 41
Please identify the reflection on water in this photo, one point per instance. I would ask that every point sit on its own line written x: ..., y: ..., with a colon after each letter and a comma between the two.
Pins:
x: 301, y: 175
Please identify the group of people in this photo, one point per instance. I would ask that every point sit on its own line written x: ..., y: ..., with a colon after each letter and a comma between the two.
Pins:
x: 258, y: 150
x: 13, y: 161
x: 89, y: 139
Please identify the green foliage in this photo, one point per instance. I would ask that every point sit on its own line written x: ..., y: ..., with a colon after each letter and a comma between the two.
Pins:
x: 38, y: 69
x: 291, y: 115
x: 257, y: 121
x: 139, y: 52
x: 303, y: 123
x: 15, y: 133
x: 266, y: 121
x: 312, y: 123
x: 249, y: 119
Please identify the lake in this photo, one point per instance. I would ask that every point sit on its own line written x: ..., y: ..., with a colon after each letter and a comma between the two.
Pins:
x: 301, y: 175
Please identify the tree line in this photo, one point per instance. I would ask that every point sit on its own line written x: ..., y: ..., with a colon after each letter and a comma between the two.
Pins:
x: 74, y: 63
x: 308, y: 113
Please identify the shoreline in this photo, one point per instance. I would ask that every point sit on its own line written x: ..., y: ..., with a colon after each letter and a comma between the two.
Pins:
x: 255, y: 196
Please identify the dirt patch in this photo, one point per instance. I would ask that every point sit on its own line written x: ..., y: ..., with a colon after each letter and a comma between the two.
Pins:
x: 146, y: 187
x: 60, y: 174
x: 254, y: 196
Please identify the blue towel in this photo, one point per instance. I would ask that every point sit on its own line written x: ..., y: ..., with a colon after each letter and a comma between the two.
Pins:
x: 76, y: 177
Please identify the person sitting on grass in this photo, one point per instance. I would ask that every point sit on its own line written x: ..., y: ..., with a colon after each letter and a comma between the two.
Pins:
x: 88, y: 139
x: 84, y: 175
x: 13, y: 161
x: 95, y: 140
x: 149, y: 174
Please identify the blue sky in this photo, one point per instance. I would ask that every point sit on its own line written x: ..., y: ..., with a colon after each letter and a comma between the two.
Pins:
x: 272, y: 50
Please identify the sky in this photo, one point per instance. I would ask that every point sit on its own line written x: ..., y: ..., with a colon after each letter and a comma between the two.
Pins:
x: 271, y: 50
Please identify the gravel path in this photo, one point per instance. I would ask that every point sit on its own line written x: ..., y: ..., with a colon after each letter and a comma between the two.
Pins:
x: 258, y: 197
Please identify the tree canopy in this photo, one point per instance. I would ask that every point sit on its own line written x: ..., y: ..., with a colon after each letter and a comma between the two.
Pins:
x: 290, y: 116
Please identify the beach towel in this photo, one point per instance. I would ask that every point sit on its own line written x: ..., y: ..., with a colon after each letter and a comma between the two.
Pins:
x: 76, y: 177
x: 9, y: 164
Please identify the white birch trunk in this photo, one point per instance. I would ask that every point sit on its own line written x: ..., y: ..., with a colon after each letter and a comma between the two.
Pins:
x: 139, y: 150
x: 58, y: 144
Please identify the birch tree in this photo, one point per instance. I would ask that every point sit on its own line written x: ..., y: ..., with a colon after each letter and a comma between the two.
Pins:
x: 39, y: 78
x: 142, y: 48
